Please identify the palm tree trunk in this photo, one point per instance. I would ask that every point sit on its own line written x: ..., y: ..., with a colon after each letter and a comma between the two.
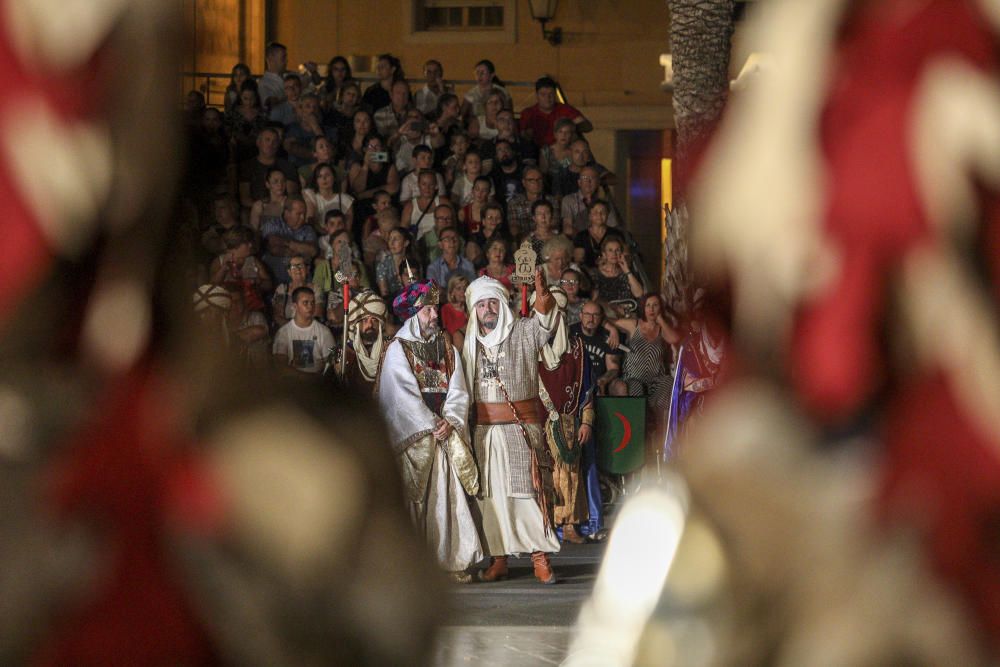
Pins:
x: 700, y: 37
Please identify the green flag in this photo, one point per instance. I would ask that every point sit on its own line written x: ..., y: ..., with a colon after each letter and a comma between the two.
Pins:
x: 620, y: 430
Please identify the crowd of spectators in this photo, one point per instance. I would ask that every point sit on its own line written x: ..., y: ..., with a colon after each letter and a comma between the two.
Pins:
x: 306, y: 180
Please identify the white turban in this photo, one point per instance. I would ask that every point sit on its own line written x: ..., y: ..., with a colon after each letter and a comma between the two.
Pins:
x: 481, y: 288
x: 552, y: 352
x: 366, y: 304
x: 211, y: 296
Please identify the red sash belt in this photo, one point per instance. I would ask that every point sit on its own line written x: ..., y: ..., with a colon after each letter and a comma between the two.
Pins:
x: 530, y: 411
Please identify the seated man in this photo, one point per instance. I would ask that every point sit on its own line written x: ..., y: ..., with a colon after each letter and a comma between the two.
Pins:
x: 302, y: 346
x: 450, y: 262
x: 253, y: 172
x: 576, y: 207
x: 390, y: 119
x: 566, y: 180
x: 227, y: 216
x: 537, y: 121
x: 287, y: 236
x: 284, y: 112
x: 429, y: 245
x: 520, y: 206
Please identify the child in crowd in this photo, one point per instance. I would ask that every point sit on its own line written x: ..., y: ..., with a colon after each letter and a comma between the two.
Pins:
x: 461, y: 189
x: 423, y: 159
x: 334, y: 221
x: 378, y: 240
x: 454, y: 163
x: 381, y: 200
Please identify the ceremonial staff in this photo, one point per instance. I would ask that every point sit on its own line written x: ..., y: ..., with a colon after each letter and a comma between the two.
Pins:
x: 524, y: 272
x: 345, y: 274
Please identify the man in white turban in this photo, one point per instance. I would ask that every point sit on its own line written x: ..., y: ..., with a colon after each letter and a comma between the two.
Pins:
x: 515, y: 467
x: 366, y: 342
x: 424, y: 401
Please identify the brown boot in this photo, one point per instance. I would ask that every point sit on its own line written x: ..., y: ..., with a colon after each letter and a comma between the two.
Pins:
x: 543, y: 569
x: 570, y: 535
x: 496, y: 571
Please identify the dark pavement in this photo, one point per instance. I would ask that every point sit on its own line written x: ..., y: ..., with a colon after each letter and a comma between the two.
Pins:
x: 519, y: 622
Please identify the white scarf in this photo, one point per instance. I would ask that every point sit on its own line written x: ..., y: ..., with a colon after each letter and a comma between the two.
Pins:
x: 411, y: 331
x: 481, y: 288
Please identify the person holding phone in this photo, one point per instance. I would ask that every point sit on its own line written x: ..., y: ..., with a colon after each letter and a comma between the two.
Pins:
x: 373, y: 173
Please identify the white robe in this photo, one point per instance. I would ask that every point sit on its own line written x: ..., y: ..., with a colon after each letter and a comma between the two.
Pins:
x: 511, y: 520
x: 439, y: 507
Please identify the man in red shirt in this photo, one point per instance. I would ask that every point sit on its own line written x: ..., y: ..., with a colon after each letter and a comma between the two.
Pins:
x: 537, y: 121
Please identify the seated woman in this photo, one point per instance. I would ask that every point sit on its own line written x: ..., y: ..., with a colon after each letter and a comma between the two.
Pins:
x: 341, y: 114
x: 614, y: 282
x: 352, y: 143
x: 557, y: 253
x: 272, y: 206
x: 373, y: 173
x: 418, y: 212
x: 470, y: 216
x: 487, y: 82
x: 244, y: 120
x: 454, y: 316
x: 484, y: 126
x: 556, y: 157
x: 587, y: 242
x: 542, y: 217
x: 338, y: 76
x: 239, y: 74
x: 497, y: 266
x: 323, y: 194
x: 324, y: 151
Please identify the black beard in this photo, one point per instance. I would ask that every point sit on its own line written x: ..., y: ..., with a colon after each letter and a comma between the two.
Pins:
x: 369, y: 337
x: 506, y: 162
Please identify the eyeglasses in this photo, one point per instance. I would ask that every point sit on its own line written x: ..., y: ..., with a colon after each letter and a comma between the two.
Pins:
x: 569, y: 282
x: 296, y: 266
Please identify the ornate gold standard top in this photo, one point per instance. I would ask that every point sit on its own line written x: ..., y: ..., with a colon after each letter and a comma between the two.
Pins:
x: 524, y: 264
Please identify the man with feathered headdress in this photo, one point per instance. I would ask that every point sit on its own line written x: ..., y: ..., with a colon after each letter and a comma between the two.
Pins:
x: 423, y: 397
x: 366, y: 342
x: 501, y: 368
x: 566, y: 391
